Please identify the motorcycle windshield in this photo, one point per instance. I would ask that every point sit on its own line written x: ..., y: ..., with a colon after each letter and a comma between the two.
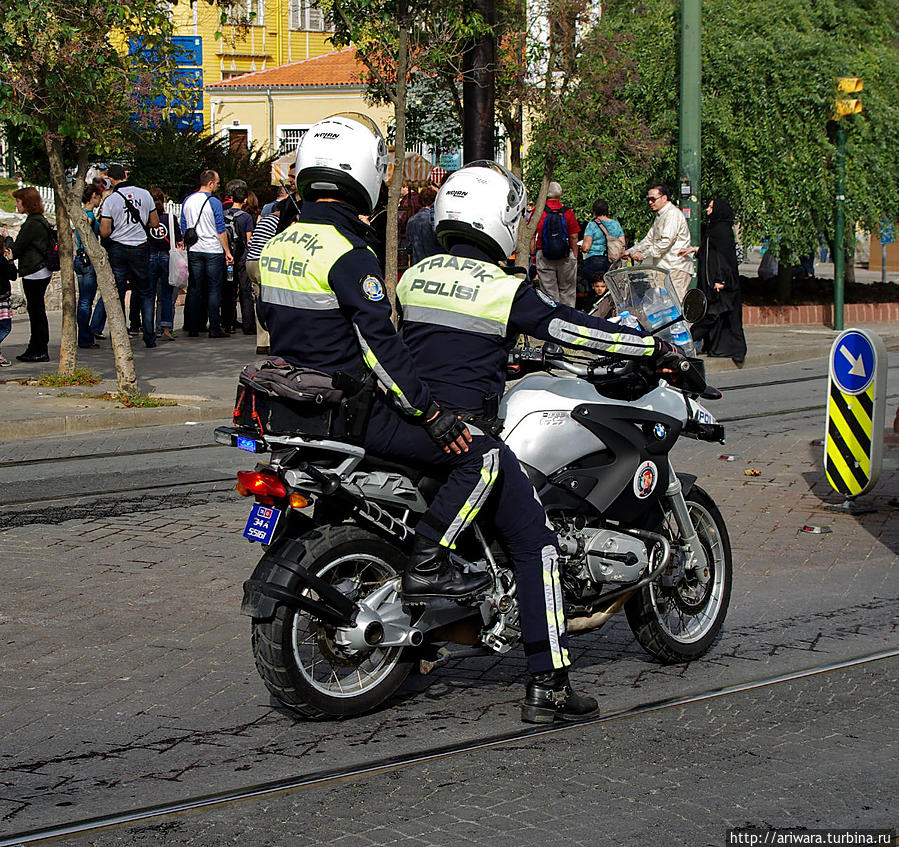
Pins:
x: 629, y: 288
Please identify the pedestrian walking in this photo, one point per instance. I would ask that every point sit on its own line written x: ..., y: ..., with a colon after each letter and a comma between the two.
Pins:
x: 554, y: 246
x: 126, y: 218
x: 595, y: 246
x: 30, y: 252
x: 422, y: 239
x: 85, y: 272
x: 720, y: 330
x: 239, y: 224
x: 161, y: 239
x: 7, y: 275
x: 208, y: 253
x: 667, y: 239
x: 264, y: 229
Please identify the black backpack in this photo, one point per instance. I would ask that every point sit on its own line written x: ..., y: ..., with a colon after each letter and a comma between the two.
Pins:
x: 236, y: 241
x: 51, y: 254
x: 554, y: 235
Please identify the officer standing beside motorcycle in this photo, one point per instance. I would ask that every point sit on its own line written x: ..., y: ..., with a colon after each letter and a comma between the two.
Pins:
x: 461, y: 315
x: 322, y: 297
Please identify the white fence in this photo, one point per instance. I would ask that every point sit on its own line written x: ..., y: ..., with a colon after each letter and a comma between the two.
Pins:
x: 49, y: 199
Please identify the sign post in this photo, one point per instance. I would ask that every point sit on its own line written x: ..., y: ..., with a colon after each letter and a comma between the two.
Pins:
x: 853, y: 441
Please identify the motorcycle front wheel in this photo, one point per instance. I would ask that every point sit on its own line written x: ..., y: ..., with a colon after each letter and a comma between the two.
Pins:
x: 296, y: 654
x: 680, y: 622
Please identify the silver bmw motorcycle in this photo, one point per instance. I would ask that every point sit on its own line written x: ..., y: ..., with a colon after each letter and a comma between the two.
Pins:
x: 331, y: 634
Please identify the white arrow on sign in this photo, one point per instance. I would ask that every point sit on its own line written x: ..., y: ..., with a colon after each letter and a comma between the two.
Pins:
x: 858, y: 367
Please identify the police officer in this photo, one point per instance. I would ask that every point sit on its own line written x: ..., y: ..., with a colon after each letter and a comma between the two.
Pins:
x: 461, y: 314
x: 322, y: 297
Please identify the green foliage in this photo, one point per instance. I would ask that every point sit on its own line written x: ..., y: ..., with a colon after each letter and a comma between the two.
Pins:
x: 64, y: 69
x: 172, y: 159
x: 767, y: 85
x: 431, y: 115
x: 137, y: 400
x: 7, y: 201
x: 78, y: 376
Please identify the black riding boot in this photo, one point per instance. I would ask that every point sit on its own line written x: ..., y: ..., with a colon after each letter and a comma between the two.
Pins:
x: 430, y: 574
x: 549, y: 697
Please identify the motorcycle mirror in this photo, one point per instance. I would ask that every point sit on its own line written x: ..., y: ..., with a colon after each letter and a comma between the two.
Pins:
x: 694, y: 305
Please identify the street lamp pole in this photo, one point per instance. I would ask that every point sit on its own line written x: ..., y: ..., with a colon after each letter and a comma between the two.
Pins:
x: 839, y: 225
x: 690, y: 113
x: 478, y: 91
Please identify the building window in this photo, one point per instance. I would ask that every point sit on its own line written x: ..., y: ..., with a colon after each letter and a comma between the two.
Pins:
x: 247, y: 13
x: 305, y: 16
x: 289, y: 138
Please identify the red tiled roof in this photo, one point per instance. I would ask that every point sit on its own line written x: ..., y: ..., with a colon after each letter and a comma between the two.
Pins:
x: 340, y: 68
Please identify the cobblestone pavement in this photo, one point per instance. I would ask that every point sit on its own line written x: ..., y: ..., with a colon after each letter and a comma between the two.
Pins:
x: 813, y: 753
x: 129, y: 679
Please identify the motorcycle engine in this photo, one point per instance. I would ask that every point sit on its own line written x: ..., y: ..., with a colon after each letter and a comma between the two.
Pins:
x: 607, y: 556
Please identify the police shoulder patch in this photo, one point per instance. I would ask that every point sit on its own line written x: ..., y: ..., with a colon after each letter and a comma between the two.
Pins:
x: 373, y: 288
x: 546, y: 299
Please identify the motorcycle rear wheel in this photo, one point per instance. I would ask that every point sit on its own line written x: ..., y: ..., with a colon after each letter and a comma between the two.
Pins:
x: 295, y: 653
x: 681, y: 623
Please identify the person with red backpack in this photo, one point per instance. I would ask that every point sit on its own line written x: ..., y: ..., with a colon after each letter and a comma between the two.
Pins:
x: 555, y: 246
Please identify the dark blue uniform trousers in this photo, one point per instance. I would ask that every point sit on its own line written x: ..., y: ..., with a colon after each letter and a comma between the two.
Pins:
x: 487, y: 477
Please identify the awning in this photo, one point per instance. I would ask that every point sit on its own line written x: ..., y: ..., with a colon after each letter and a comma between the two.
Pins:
x: 416, y: 168
x: 280, y: 166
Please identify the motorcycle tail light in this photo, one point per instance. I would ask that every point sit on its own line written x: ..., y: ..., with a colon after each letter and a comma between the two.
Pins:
x: 263, y: 485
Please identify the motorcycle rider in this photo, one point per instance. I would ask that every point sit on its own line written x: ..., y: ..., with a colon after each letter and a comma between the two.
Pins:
x: 461, y: 315
x: 322, y: 297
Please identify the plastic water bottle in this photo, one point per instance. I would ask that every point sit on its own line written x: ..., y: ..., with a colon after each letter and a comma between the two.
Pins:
x: 628, y: 320
x: 230, y: 273
x: 660, y: 309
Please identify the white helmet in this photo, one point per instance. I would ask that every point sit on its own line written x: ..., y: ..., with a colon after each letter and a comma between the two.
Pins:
x: 481, y: 204
x: 344, y: 155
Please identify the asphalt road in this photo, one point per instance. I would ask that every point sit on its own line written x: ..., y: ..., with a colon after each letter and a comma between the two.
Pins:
x: 129, y: 680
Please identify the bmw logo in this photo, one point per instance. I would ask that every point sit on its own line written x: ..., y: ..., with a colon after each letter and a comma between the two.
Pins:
x: 660, y: 431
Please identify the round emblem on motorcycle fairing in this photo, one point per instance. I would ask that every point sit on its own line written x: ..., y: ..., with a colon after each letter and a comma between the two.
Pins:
x: 645, y: 480
x: 372, y: 288
x: 660, y: 431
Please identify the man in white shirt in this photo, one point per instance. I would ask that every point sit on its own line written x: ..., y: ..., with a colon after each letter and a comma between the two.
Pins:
x: 668, y: 234
x: 127, y: 216
x: 206, y: 258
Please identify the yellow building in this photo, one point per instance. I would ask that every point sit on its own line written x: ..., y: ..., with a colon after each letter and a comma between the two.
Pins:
x: 272, y: 108
x: 268, y: 33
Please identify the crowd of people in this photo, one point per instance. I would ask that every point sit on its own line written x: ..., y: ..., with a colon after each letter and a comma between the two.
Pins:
x: 139, y: 236
x: 223, y: 232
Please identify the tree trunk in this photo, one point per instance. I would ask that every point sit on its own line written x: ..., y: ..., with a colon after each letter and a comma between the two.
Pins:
x: 115, y: 317
x: 68, y: 345
x: 527, y: 229
x: 784, y: 289
x: 399, y: 155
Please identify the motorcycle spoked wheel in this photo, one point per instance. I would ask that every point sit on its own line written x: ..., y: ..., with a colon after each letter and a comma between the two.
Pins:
x: 295, y: 653
x: 682, y: 622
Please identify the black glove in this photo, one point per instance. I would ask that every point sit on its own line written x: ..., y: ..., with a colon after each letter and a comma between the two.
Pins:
x: 443, y: 427
x: 666, y: 357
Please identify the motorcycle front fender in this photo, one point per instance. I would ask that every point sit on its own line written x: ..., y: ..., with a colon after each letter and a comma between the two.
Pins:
x: 687, y: 481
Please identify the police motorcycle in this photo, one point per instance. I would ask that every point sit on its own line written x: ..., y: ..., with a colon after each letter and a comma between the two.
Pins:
x: 331, y: 633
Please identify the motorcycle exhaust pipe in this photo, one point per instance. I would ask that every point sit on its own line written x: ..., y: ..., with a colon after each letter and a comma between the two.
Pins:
x: 374, y: 633
x: 597, y: 619
x: 620, y: 596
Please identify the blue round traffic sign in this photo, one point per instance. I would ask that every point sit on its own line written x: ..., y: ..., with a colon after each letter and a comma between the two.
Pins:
x: 852, y: 362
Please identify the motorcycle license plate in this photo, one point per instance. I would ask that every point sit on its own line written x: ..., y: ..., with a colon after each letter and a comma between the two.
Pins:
x: 261, y: 523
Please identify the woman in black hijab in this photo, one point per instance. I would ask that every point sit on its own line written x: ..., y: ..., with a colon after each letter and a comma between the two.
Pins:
x: 720, y: 332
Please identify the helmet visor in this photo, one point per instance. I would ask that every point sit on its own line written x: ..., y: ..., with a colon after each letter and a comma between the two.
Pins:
x: 359, y: 118
x: 517, y: 197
